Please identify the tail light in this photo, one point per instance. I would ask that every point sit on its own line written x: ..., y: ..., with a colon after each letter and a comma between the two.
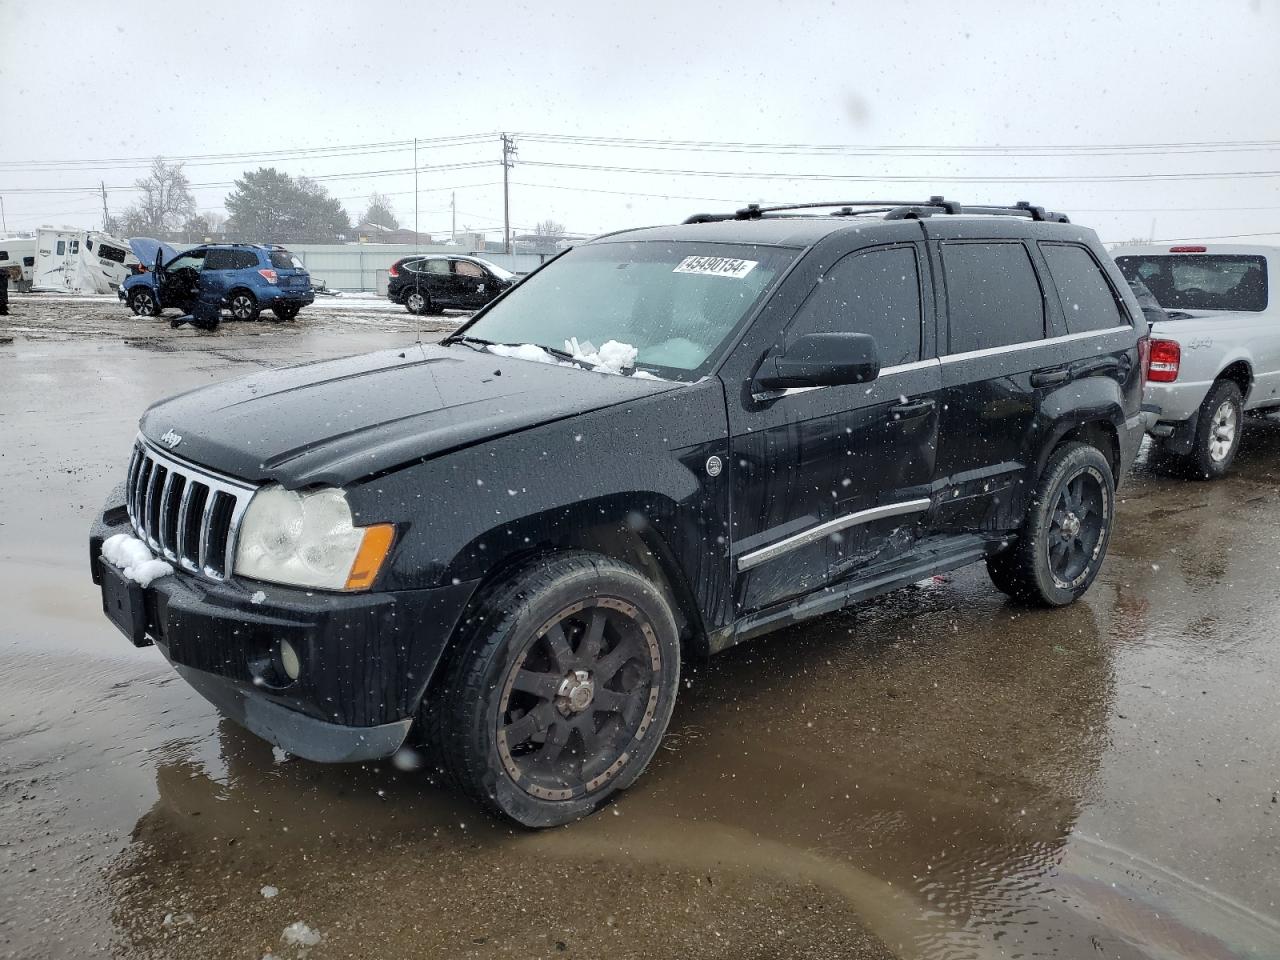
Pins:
x: 270, y: 276
x: 1165, y: 357
x: 1193, y: 249
x: 1144, y: 360
x: 395, y: 269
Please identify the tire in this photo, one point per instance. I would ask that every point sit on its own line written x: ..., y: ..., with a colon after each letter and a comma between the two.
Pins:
x: 417, y: 302
x: 143, y: 303
x: 1063, y: 540
x: 521, y: 722
x: 285, y: 314
x: 1217, y: 433
x: 243, y: 306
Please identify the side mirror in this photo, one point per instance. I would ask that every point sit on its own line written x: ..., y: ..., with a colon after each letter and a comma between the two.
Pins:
x: 821, y: 360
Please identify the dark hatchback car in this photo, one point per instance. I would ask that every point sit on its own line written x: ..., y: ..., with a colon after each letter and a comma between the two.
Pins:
x: 429, y: 284
x: 242, y: 278
x: 500, y: 548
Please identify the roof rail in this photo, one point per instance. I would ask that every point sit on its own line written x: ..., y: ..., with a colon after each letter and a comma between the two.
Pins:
x: 892, y: 210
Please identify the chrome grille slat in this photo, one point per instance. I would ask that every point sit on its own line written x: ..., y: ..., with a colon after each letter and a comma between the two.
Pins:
x: 183, y: 512
x: 148, y: 505
x: 184, y: 507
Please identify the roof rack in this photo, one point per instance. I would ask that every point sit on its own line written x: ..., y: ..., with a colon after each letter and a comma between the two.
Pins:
x: 892, y: 210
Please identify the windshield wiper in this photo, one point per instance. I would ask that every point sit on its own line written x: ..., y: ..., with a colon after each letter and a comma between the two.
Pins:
x: 478, y: 342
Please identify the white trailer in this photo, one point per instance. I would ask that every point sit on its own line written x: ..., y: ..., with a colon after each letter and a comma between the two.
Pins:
x: 17, y: 257
x: 78, y: 261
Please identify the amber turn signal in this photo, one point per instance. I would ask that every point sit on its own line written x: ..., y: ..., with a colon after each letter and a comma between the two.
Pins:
x: 373, y: 550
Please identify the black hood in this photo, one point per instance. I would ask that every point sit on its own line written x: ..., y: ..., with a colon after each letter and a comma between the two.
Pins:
x: 337, y: 421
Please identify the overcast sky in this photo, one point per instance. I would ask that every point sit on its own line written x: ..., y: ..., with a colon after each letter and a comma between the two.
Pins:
x: 85, y: 81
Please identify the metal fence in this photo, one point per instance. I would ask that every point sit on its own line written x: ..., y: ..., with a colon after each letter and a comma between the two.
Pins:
x: 357, y: 266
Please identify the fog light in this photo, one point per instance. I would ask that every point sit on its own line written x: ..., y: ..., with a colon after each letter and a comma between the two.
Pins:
x: 289, y: 661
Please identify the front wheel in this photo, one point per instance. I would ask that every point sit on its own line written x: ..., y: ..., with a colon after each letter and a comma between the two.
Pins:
x: 143, y: 303
x: 557, y: 697
x: 243, y: 306
x: 1064, y: 537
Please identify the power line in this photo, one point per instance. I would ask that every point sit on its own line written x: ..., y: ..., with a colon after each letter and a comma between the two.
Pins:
x: 923, y: 150
x: 903, y: 178
x: 199, y: 159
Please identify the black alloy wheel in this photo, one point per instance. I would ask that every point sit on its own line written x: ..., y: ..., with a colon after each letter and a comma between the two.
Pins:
x: 578, y: 698
x: 1076, y: 527
x: 556, y: 696
x: 1063, y: 539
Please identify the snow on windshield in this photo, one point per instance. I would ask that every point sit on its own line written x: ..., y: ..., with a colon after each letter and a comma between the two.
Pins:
x: 613, y: 357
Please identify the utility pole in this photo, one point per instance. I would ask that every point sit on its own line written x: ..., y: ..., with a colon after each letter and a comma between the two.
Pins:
x: 3, y: 223
x: 105, y: 216
x: 415, y: 194
x: 508, y: 161
x: 453, y: 209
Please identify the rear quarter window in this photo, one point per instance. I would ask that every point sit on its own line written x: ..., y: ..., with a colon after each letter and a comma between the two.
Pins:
x: 1088, y: 301
x: 993, y: 296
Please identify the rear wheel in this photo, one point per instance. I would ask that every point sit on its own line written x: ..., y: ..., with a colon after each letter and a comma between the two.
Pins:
x: 1217, y: 432
x: 1064, y: 537
x: 288, y: 312
x: 417, y: 302
x: 143, y: 303
x: 243, y: 306
x: 558, y: 696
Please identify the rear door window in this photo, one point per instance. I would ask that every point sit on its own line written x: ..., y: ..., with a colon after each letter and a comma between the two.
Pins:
x: 62, y: 248
x: 244, y: 260
x: 218, y: 260
x: 1088, y: 302
x: 993, y: 296
x: 435, y: 266
x: 875, y: 292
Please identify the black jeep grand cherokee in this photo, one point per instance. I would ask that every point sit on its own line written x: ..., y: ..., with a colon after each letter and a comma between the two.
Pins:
x: 502, y: 546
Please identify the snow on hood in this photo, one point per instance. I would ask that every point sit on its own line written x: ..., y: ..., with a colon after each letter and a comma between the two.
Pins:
x: 614, y: 357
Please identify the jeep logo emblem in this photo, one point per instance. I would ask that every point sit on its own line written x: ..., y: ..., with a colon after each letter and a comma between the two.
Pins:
x: 171, y: 439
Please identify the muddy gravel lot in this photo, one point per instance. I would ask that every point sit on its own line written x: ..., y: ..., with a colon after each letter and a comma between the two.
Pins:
x: 936, y: 774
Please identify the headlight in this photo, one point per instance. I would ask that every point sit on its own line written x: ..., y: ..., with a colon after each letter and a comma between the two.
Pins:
x: 309, y: 540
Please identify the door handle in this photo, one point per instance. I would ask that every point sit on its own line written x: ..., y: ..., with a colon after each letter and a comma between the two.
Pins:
x: 1051, y: 377
x: 910, y: 410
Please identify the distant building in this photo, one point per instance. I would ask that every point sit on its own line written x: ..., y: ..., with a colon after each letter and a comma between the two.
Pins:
x: 376, y: 233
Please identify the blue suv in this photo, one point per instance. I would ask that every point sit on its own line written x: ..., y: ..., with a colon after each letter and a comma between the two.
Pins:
x: 243, y: 278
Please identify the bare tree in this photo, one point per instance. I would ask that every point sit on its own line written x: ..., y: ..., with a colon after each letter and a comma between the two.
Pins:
x: 165, y: 205
x: 380, y: 212
x: 549, y: 228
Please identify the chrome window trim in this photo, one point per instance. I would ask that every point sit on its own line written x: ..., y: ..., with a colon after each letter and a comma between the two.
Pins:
x: 1031, y: 344
x: 806, y: 537
x: 886, y: 372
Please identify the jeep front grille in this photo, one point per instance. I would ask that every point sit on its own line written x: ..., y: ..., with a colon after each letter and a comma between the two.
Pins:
x: 186, y: 515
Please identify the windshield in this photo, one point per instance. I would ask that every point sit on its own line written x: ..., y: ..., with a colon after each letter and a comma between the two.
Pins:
x: 1216, y: 281
x: 676, y: 303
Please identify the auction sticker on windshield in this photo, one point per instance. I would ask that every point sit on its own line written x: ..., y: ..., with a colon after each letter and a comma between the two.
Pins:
x: 716, y: 266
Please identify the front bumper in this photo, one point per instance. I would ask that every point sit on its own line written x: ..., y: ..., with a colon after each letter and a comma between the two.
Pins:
x: 366, y: 658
